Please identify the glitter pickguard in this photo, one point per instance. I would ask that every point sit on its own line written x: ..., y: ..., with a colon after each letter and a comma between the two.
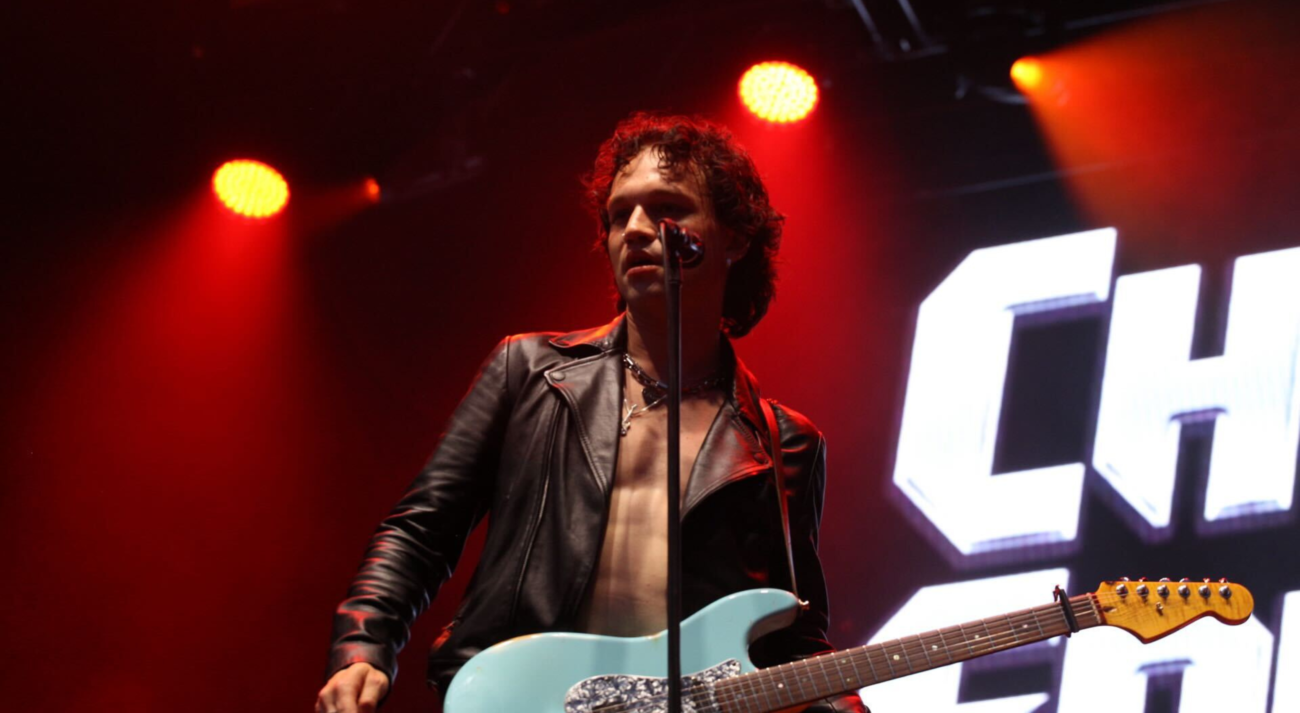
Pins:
x: 647, y: 694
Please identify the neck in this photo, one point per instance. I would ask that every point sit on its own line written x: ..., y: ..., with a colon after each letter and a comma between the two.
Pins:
x: 789, y: 685
x: 647, y: 344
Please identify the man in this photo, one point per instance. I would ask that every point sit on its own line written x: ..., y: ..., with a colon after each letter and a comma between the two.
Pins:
x: 562, y: 440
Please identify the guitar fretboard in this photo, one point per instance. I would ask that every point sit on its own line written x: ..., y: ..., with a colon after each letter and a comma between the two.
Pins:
x: 783, y: 686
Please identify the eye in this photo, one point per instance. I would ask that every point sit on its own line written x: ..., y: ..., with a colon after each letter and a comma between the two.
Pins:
x: 619, y: 217
x: 672, y: 210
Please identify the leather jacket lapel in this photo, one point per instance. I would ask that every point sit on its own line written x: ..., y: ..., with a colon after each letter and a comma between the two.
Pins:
x: 592, y: 389
x: 592, y: 386
x: 730, y: 452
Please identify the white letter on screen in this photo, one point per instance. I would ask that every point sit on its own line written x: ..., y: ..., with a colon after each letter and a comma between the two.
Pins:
x: 1151, y: 386
x: 1286, y: 691
x: 954, y: 393
x: 1224, y: 668
x: 949, y: 604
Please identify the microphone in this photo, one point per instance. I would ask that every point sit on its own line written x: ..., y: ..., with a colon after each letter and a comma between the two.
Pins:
x: 681, y: 243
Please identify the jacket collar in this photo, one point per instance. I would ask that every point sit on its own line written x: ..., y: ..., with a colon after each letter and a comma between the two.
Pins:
x: 613, y: 336
x: 731, y: 450
x: 606, y: 337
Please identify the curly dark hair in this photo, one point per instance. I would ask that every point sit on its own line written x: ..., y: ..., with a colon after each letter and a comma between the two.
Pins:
x: 739, y: 199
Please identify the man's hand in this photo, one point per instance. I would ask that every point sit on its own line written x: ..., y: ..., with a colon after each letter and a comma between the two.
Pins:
x: 355, y: 689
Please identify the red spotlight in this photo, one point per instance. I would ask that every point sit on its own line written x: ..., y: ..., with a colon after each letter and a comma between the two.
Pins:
x: 250, y: 188
x: 778, y: 92
x: 1027, y: 73
x: 372, y: 190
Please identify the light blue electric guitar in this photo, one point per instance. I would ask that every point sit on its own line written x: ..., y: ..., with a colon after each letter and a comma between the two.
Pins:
x: 585, y: 673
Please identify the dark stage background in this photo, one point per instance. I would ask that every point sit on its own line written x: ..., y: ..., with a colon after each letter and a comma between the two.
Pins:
x: 205, y: 417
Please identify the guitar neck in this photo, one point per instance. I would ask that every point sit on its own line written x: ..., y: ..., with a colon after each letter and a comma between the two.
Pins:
x: 791, y: 684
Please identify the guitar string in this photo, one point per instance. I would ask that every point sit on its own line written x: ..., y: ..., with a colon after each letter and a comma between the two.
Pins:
x: 999, y: 642
x: 701, y: 696
x: 1002, y: 641
x: 698, y: 697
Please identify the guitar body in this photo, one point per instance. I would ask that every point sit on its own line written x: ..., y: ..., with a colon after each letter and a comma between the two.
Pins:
x: 535, y: 674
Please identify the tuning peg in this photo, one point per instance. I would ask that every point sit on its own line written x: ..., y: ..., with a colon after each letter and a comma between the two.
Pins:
x: 1122, y: 589
x: 1223, y: 580
x: 1183, y: 590
x: 1142, y: 590
x: 1124, y: 579
x: 1184, y: 579
x: 1142, y: 579
x: 1163, y: 589
x: 1204, y: 590
x: 1225, y: 591
x: 1164, y: 579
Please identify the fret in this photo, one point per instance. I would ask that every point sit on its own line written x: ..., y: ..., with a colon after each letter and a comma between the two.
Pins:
x: 944, y: 643
x: 854, y: 681
x: 839, y: 672
x: 752, y: 685
x: 805, y: 680
x: 906, y: 659
x: 821, y: 665
x: 857, y: 674
x: 726, y: 691
x: 888, y: 662
x: 720, y: 696
x: 795, y: 684
x: 925, y: 650
x: 866, y: 651
x: 969, y: 646
x: 1012, y: 624
x: 991, y: 638
x: 767, y: 693
x: 792, y: 685
x: 777, y: 685
x: 1039, y: 623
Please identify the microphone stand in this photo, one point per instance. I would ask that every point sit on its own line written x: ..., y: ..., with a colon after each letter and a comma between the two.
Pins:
x: 680, y: 248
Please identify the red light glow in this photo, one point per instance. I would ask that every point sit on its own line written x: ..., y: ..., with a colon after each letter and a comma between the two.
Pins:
x: 778, y: 92
x: 372, y: 190
x: 1027, y: 73
x: 250, y: 188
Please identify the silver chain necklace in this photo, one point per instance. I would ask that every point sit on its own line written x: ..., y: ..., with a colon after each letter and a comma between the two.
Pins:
x: 654, y: 392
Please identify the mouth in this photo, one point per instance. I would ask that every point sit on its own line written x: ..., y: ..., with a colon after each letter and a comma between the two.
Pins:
x: 639, y: 262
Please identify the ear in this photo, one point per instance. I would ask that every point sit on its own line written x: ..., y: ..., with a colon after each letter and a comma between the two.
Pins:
x: 737, y: 247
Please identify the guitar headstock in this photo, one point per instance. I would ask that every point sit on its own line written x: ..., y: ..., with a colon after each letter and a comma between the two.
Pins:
x: 1152, y: 610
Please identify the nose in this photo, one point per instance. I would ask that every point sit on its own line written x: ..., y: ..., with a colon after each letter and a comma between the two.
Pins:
x: 640, y: 226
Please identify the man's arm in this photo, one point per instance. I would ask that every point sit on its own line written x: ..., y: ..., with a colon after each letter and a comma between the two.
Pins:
x: 416, y: 547
x: 805, y: 490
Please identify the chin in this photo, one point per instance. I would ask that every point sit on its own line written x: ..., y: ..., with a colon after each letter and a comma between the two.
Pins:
x: 646, y: 296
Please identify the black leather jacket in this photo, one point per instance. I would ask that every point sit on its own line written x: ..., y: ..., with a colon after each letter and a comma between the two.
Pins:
x: 534, y: 443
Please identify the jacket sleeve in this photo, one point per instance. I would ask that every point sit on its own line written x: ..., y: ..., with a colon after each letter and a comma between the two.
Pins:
x: 805, y: 492
x: 416, y: 547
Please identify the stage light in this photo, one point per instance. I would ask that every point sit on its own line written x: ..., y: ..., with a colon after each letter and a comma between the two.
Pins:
x: 372, y: 190
x: 1027, y: 73
x: 250, y: 188
x: 778, y: 92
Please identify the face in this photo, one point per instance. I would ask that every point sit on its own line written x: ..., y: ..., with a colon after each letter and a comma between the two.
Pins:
x: 640, y: 196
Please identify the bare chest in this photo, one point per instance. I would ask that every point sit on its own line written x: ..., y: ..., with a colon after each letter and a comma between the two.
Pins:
x: 627, y: 592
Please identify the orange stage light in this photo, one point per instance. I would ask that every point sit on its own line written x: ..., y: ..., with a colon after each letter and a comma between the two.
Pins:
x: 778, y: 92
x: 1027, y: 73
x: 250, y: 188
